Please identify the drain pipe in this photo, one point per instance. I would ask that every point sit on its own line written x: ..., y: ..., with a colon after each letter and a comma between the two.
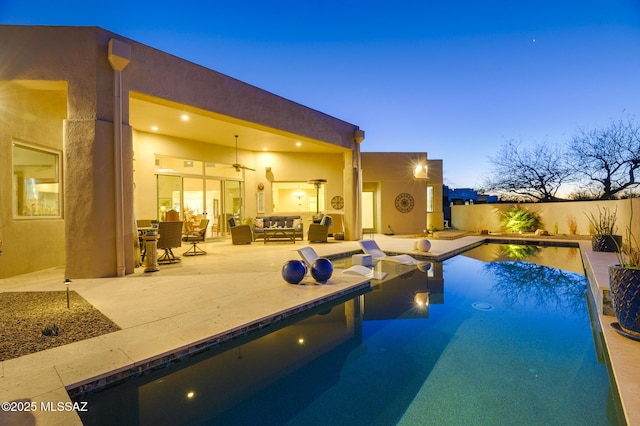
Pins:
x: 119, y: 57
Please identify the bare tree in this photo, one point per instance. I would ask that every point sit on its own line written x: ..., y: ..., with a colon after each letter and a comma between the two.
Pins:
x: 607, y: 159
x: 536, y: 173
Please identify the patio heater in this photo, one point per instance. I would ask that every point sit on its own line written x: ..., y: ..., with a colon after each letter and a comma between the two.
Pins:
x: 317, y: 183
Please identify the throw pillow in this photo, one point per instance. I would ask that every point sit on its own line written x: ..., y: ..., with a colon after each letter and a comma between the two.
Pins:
x: 259, y: 223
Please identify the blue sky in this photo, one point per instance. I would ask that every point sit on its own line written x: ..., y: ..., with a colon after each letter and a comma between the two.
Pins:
x: 453, y: 78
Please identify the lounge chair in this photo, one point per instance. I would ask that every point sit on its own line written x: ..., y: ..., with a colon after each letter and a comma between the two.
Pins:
x: 195, y: 236
x: 308, y: 255
x: 371, y: 247
x: 240, y: 234
x: 319, y: 232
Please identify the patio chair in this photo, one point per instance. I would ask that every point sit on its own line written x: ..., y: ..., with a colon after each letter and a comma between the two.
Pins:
x: 170, y: 237
x: 194, y: 236
x: 240, y: 234
x: 319, y: 232
x: 308, y: 255
x: 371, y: 247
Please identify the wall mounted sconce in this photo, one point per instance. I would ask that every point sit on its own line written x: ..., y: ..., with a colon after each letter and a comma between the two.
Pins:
x: 299, y: 195
x: 267, y: 169
x: 420, y: 172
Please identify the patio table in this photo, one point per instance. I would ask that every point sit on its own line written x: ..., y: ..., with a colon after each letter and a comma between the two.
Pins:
x: 280, y: 234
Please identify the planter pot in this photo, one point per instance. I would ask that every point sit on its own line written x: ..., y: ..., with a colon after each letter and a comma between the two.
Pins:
x: 606, y: 242
x: 625, y: 295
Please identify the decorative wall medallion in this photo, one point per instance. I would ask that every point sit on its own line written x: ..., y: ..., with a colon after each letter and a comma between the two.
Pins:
x: 404, y: 202
x: 337, y: 202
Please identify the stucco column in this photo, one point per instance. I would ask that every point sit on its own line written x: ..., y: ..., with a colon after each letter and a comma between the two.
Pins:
x: 119, y: 57
x: 353, y: 212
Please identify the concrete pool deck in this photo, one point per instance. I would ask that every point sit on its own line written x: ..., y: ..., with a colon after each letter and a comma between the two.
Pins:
x: 206, y: 299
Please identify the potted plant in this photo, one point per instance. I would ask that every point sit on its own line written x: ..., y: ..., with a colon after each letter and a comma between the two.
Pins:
x: 603, y: 237
x: 624, y: 281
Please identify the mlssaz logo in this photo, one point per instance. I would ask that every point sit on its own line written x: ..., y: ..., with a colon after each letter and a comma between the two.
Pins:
x: 64, y: 406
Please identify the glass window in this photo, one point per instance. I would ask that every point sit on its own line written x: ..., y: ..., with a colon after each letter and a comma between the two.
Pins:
x: 36, y: 182
x: 178, y: 165
x: 169, y: 196
x: 429, y: 199
x: 297, y: 197
x: 233, y: 196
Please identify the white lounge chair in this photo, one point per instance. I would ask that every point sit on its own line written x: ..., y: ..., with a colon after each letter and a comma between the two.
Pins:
x: 371, y: 247
x: 308, y: 255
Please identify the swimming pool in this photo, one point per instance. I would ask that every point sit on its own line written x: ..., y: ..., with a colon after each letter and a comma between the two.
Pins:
x: 478, y: 339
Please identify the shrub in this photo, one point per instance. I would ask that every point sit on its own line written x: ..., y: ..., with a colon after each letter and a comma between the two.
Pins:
x: 51, y: 330
x: 519, y: 219
x: 573, y: 225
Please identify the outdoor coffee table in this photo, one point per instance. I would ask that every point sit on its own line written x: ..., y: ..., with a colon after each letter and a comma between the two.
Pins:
x: 279, y: 234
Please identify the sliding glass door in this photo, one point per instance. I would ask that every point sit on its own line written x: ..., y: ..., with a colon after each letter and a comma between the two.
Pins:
x: 192, y: 199
x: 169, y: 196
x: 233, y: 201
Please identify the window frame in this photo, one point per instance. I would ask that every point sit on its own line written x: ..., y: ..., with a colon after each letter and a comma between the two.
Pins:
x: 309, y: 191
x: 57, y: 154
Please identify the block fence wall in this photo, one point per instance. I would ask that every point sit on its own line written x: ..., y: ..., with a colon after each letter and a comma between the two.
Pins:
x: 557, y: 218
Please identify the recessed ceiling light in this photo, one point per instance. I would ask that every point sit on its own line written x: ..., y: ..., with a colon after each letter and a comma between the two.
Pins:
x: 154, y: 128
x: 185, y: 117
x: 298, y: 144
x: 264, y: 149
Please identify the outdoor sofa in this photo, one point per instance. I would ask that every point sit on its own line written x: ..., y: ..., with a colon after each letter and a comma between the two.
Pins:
x: 262, y: 222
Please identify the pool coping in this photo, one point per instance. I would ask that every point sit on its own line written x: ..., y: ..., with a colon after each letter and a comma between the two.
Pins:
x: 196, y: 347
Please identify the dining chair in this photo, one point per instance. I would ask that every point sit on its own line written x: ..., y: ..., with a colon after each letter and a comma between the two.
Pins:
x: 194, y: 236
x: 170, y: 237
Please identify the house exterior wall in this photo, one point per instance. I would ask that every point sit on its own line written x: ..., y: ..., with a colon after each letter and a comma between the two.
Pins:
x: 391, y: 174
x: 78, y: 57
x: 435, y: 219
x: 33, y: 115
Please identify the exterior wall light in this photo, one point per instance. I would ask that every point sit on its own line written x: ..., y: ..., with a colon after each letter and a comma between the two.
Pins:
x: 420, y: 172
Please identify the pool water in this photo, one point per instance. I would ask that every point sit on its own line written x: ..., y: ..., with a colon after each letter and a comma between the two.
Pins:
x: 479, y: 339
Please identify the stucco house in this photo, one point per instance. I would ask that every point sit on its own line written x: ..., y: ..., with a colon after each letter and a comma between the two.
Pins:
x: 98, y: 130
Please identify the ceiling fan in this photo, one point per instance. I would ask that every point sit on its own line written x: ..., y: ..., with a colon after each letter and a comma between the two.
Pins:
x: 237, y: 165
